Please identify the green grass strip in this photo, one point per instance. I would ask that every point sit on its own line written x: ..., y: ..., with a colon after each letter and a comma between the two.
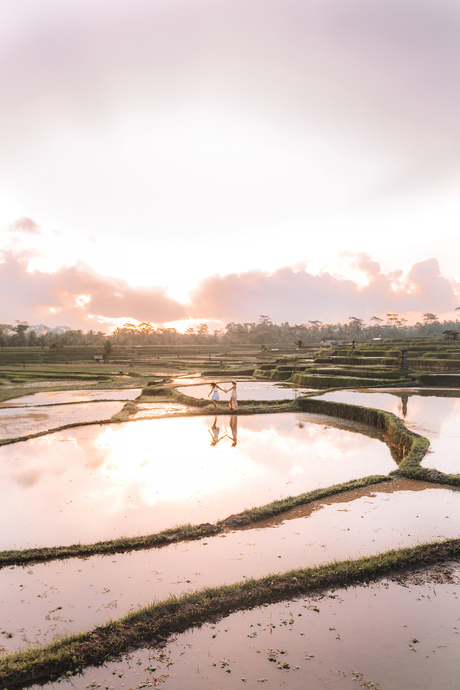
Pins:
x: 155, y: 622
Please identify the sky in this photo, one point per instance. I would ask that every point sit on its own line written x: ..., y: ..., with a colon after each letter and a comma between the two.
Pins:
x: 188, y: 161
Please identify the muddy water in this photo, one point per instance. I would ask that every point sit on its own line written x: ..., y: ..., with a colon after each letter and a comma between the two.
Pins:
x: 248, y: 390
x: 40, y: 412
x: 76, y: 396
x: 41, y: 602
x: 387, y: 635
x: 101, y: 482
x: 151, y: 410
x: 22, y: 421
x: 434, y: 414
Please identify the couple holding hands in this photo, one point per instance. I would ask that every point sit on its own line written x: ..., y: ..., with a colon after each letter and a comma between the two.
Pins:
x: 214, y: 393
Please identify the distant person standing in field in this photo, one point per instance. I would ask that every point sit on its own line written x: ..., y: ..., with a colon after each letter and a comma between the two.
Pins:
x: 233, y: 402
x: 214, y: 393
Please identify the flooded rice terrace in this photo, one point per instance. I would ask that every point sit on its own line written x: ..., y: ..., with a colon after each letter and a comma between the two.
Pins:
x: 71, y: 595
x: 247, y: 390
x: 392, y: 635
x: 103, y: 481
x: 431, y: 413
x: 32, y: 414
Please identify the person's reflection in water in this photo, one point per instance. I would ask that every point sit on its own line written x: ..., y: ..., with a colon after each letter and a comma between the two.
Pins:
x: 214, y: 431
x: 404, y: 399
x: 233, y: 429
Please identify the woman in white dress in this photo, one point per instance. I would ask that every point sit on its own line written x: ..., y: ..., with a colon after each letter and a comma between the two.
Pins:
x: 214, y: 393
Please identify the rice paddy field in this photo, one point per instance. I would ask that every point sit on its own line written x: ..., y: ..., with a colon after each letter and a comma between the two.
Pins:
x: 150, y: 540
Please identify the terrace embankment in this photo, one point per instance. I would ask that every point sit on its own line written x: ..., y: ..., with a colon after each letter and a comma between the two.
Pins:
x: 153, y: 624
x: 410, y: 446
x: 432, y: 362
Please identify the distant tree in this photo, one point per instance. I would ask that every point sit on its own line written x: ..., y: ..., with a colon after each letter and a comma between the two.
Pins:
x: 107, y: 349
x: 355, y: 326
x: 202, y: 332
x: 190, y: 332
x: 20, y: 329
x: 429, y: 321
x: 376, y: 325
x: 31, y: 338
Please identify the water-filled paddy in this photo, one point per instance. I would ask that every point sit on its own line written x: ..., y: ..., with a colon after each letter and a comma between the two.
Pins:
x: 39, y: 412
x: 151, y: 409
x: 75, y: 396
x: 39, y: 602
x: 105, y: 481
x: 431, y: 413
x: 388, y: 635
x: 247, y: 390
x: 16, y: 422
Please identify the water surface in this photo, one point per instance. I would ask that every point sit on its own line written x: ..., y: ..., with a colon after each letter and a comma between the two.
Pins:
x: 388, y: 635
x: 431, y: 413
x: 248, y: 390
x: 44, y: 600
x: 75, y: 396
x: 19, y: 421
x: 105, y: 481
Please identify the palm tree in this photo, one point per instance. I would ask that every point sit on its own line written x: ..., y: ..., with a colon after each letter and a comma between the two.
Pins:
x: 107, y: 349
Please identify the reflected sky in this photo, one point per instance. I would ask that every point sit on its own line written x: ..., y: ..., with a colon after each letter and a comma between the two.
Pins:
x: 431, y: 413
x: 22, y: 421
x: 101, y: 482
x: 32, y: 414
x: 150, y: 410
x: 364, y: 522
x: 247, y: 390
x: 389, y: 635
x: 76, y: 396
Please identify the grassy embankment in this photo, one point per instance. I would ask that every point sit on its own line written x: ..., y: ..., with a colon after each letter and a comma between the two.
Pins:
x: 152, y: 624
x: 430, y: 361
x: 144, y: 360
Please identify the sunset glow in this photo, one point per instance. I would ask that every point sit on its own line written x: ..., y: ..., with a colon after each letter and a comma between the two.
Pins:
x: 181, y: 162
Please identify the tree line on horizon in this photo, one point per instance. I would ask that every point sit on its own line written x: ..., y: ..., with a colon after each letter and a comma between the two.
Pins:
x: 263, y: 332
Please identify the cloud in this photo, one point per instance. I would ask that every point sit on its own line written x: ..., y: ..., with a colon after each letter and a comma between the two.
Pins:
x: 78, y: 297
x: 299, y: 296
x: 75, y: 295
x: 25, y: 225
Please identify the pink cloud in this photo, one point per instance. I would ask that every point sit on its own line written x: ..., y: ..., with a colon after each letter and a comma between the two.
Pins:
x: 298, y: 297
x: 78, y: 297
x: 26, y: 225
x: 73, y: 296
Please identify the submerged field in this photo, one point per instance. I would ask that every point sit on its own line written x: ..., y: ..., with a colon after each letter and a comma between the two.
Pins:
x: 398, y: 633
x: 318, y: 503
